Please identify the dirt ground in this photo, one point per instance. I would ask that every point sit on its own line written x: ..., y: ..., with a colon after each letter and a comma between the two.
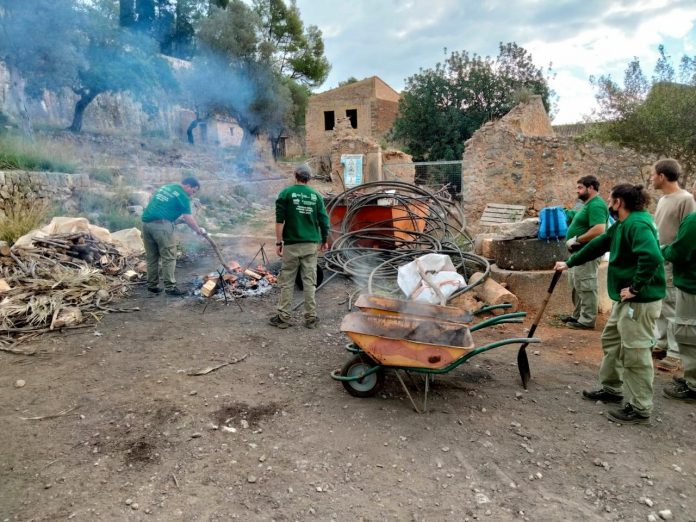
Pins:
x: 131, y: 436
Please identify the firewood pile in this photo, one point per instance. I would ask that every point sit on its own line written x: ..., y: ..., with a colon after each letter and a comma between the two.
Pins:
x: 64, y: 281
x: 237, y: 281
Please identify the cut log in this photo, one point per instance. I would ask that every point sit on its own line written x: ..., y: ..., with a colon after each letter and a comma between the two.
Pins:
x: 252, y: 274
x: 4, y: 287
x: 130, y: 275
x: 492, y: 293
x: 4, y: 248
x: 209, y: 288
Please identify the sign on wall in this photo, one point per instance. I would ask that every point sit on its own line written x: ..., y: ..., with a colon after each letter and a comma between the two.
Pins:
x: 352, y: 169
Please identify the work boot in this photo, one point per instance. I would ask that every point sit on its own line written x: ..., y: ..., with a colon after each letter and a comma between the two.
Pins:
x: 668, y: 364
x: 175, y: 292
x: 628, y: 415
x: 311, y: 322
x: 679, y: 391
x: 577, y: 325
x: 154, y: 289
x: 568, y: 319
x: 659, y: 353
x: 279, y: 322
x: 601, y: 395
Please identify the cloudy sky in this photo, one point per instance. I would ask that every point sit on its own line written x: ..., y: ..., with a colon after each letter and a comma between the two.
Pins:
x: 394, y: 38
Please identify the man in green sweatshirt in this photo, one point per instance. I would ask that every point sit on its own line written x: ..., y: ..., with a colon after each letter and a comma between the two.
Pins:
x: 302, y: 226
x: 682, y: 254
x: 636, y: 282
x: 588, y: 223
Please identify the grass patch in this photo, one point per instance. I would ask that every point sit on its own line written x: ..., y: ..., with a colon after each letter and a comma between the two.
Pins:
x: 102, y: 175
x: 108, y: 210
x: 19, y: 154
x: 22, y: 214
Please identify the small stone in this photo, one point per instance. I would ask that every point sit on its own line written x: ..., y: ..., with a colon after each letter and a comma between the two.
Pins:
x: 445, y: 449
x: 319, y: 490
x: 652, y: 517
x: 135, y: 506
x: 193, y: 392
x: 251, y: 479
x: 665, y: 514
x: 19, y: 383
x: 262, y: 458
x: 646, y: 501
x: 518, y: 395
x: 48, y: 486
x: 196, y: 435
x: 538, y: 475
x: 245, y: 424
x: 536, y: 352
x: 129, y: 501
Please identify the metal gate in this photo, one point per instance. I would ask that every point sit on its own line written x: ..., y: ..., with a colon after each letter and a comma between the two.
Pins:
x: 432, y: 174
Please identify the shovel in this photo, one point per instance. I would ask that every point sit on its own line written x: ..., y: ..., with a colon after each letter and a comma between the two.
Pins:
x: 522, y: 361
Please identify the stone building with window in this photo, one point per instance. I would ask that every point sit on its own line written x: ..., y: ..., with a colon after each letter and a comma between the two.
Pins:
x: 370, y: 104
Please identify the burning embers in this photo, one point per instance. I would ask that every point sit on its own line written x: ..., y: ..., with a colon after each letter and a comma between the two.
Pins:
x: 235, y: 281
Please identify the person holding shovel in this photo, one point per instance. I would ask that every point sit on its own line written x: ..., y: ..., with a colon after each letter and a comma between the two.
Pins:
x: 636, y: 282
x: 302, y: 225
x: 168, y: 204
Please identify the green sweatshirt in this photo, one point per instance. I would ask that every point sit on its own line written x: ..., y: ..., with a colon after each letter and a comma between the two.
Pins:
x: 682, y: 254
x: 301, y: 209
x: 634, y: 258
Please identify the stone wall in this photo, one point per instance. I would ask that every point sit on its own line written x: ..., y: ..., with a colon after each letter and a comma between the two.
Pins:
x: 58, y: 188
x: 502, y: 164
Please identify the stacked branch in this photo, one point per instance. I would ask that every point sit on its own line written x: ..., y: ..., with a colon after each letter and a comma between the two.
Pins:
x: 65, y: 280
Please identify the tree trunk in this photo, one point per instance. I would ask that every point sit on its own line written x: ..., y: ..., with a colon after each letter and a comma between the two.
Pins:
x: 126, y: 13
x: 85, y: 99
x: 21, y: 100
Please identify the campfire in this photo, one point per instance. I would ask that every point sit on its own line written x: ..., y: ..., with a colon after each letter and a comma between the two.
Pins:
x: 233, y: 280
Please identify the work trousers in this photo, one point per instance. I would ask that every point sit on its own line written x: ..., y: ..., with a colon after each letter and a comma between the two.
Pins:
x: 627, y: 342
x: 664, y: 327
x: 160, y: 253
x: 685, y: 334
x: 302, y: 257
x: 583, y: 285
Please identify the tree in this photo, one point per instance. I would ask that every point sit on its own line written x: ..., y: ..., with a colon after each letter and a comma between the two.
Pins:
x: 442, y: 107
x: 290, y: 49
x: 653, y: 117
x: 78, y: 46
x: 51, y: 58
x: 249, y: 68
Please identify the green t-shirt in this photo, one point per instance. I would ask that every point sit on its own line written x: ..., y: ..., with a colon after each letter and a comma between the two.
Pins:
x: 682, y: 254
x: 302, y: 210
x: 634, y: 258
x: 594, y: 212
x: 169, y: 202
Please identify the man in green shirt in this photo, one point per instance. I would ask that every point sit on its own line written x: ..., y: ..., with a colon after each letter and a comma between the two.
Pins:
x: 168, y: 204
x: 588, y: 223
x: 302, y: 225
x: 636, y: 282
x: 682, y: 254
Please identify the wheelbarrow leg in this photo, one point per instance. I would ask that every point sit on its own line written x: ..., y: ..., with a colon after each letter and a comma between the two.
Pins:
x: 425, y: 396
x: 408, y: 394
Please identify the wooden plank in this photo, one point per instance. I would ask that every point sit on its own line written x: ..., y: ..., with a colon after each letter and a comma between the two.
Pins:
x: 503, y: 205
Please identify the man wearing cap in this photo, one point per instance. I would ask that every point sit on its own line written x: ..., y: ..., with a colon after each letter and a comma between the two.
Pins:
x: 168, y: 204
x: 302, y: 226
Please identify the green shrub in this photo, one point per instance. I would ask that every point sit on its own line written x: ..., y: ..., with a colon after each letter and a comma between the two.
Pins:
x: 102, y: 175
x: 22, y: 214
x: 18, y: 154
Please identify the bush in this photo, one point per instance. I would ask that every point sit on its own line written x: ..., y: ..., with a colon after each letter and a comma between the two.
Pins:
x: 108, y: 210
x: 18, y: 154
x: 22, y: 214
x: 102, y: 175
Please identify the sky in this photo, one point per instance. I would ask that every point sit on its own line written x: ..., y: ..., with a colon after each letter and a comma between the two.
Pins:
x: 393, y: 39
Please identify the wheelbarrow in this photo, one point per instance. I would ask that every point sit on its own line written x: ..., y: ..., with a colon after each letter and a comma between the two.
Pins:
x: 390, y: 334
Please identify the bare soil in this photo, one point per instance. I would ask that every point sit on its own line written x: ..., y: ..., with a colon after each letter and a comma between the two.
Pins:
x: 274, y: 438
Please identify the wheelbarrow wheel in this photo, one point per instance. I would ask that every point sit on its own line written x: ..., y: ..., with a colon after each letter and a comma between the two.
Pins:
x: 367, y: 386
